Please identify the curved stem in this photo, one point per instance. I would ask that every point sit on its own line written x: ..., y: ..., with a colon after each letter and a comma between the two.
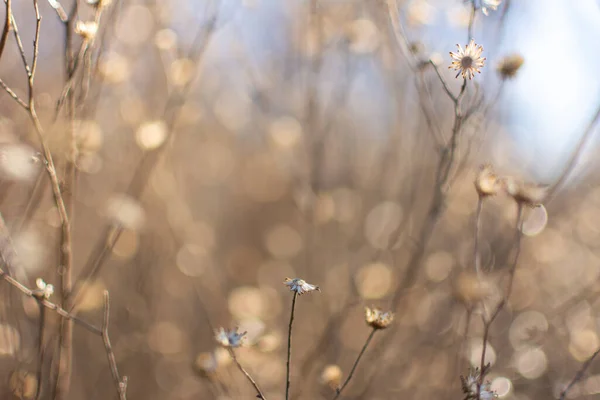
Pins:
x: 246, y: 374
x: 362, y: 351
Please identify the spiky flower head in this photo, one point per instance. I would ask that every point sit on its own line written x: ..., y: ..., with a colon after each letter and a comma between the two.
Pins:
x: 378, y: 319
x: 473, y: 389
x: 487, y: 5
x: 229, y: 338
x: 467, y: 61
x: 300, y: 286
x: 510, y: 65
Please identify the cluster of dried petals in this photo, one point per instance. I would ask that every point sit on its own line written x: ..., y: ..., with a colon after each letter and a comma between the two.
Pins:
x: 510, y: 65
x: 87, y: 30
x: 300, y: 286
x: 467, y: 61
x: 487, y: 182
x: 229, y: 338
x: 473, y: 390
x: 526, y: 193
x: 378, y: 319
x: 487, y: 5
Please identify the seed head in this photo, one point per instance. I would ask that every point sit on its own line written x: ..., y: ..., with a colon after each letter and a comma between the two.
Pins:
x: 44, y: 290
x: 87, y: 30
x: 332, y: 376
x: 526, y: 193
x: 378, y: 319
x: 487, y: 182
x: 510, y: 65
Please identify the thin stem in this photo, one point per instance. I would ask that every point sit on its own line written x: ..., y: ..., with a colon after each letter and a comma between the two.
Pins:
x: 585, y: 138
x: 471, y: 21
x: 444, y: 83
x: 41, y: 351
x: 120, y: 382
x: 289, y: 348
x: 579, y: 375
x: 260, y: 394
x: 362, y: 351
x: 477, y: 228
x: 519, y: 235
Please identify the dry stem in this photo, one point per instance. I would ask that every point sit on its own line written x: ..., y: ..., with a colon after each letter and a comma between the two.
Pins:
x: 289, y: 348
x: 362, y: 351
x: 260, y: 394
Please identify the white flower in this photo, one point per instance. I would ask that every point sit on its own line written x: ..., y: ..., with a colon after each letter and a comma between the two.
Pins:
x: 487, y: 5
x: 229, y: 338
x: 44, y: 290
x: 300, y: 286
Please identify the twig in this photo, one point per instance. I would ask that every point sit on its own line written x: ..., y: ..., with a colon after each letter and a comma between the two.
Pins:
x: 579, y: 375
x: 6, y: 29
x: 120, y: 382
x: 444, y: 83
x: 41, y: 351
x: 477, y: 227
x: 289, y: 348
x: 362, y: 351
x: 260, y: 394
x: 13, y: 95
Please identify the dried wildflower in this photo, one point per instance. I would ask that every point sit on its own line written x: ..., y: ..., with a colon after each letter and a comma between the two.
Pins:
x: 229, y: 338
x: 470, y: 289
x: 300, y: 286
x: 487, y: 182
x: 510, y: 65
x: 473, y: 390
x: 487, y: 5
x: 527, y: 193
x: 378, y: 319
x: 44, y: 290
x: 467, y: 61
x: 86, y: 30
x: 331, y: 376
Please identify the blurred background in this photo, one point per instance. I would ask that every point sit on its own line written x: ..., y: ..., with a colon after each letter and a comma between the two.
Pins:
x: 223, y: 145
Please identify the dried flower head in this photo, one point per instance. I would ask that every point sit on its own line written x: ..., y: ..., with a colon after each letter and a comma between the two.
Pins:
x: 510, y: 65
x: 300, y: 286
x: 467, y: 61
x: 473, y: 390
x: 471, y: 290
x: 44, y: 290
x: 487, y: 5
x: 378, y: 319
x: 487, y: 182
x: 229, y: 338
x: 331, y: 376
x: 527, y: 193
x: 86, y: 30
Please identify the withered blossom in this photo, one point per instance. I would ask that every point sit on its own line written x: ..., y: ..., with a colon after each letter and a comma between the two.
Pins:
x: 378, y: 319
x: 300, y: 286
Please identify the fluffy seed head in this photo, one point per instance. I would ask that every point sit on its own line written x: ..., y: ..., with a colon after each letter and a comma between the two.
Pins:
x: 378, y: 319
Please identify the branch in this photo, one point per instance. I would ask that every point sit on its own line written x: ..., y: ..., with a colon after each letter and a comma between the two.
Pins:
x: 120, y: 382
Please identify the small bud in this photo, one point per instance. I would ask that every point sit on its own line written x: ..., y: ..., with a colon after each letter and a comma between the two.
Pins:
x: 487, y: 182
x: 44, y: 290
x: 510, y: 65
x: 331, y: 376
